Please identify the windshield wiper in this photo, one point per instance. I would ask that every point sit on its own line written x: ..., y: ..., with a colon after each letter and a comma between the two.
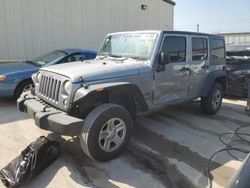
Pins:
x: 31, y: 62
x: 114, y: 55
x: 102, y: 56
x: 138, y: 58
x: 110, y: 55
x: 125, y: 57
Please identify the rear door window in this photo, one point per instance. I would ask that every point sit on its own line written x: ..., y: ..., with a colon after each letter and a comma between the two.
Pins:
x: 199, y: 49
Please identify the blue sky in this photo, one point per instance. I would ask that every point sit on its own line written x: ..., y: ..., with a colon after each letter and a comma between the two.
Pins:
x: 213, y: 16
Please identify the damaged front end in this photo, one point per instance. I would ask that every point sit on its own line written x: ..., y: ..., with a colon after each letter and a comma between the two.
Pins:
x: 238, y: 69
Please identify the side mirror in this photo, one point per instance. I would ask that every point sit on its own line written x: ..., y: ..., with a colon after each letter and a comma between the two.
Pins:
x: 164, y: 58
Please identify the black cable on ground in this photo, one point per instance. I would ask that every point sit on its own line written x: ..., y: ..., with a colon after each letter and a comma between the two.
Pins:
x: 229, y: 147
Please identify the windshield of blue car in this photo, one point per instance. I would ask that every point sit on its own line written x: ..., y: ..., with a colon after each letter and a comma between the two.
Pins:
x: 129, y: 45
x: 47, y: 58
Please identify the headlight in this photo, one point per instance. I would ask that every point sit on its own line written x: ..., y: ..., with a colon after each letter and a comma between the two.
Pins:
x: 38, y: 77
x: 2, y: 77
x: 67, y: 87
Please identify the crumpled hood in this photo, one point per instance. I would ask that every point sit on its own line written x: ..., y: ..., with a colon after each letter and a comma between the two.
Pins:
x: 93, y: 70
x: 14, y: 67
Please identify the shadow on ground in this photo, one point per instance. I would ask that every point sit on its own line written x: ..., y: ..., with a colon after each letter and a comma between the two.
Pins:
x: 9, y: 112
x: 7, y: 101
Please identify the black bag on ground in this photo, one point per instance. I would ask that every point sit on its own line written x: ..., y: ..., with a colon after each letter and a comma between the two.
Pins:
x: 32, y: 160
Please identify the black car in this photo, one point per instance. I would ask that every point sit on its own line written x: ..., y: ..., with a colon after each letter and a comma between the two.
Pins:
x: 238, y: 69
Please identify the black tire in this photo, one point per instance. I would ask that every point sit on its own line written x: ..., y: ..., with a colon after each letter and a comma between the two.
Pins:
x: 20, y: 88
x: 207, y: 105
x: 93, y: 125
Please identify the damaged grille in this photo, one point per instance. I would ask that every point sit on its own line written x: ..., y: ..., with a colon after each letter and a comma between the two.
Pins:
x: 50, y: 88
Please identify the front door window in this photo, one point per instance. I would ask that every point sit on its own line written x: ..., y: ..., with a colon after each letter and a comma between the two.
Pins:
x: 173, y: 83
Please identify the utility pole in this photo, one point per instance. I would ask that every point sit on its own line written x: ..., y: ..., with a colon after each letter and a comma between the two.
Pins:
x: 198, y: 27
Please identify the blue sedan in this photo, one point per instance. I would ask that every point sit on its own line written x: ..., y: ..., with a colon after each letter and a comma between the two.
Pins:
x: 15, y: 77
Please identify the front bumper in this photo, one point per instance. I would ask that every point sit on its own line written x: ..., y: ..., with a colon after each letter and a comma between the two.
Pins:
x: 47, y: 117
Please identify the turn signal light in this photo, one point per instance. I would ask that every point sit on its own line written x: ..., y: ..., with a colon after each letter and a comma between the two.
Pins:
x: 99, y: 89
x: 2, y: 77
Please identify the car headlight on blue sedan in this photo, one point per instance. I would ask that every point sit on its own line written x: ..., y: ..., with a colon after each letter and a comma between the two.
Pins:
x: 3, y: 77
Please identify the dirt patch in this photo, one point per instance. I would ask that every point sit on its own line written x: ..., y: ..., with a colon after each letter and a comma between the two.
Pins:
x: 157, y: 166
x: 171, y: 149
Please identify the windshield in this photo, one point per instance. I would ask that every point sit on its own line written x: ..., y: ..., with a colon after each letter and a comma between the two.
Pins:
x: 129, y: 45
x: 47, y: 58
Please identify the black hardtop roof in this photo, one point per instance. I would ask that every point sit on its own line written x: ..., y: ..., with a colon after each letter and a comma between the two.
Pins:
x: 193, y: 33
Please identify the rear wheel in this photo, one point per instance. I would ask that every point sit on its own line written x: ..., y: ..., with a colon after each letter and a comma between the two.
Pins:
x: 211, y: 103
x: 106, y: 132
x: 24, y: 86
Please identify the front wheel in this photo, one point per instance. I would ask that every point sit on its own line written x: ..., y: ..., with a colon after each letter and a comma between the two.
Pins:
x: 106, y: 132
x: 211, y: 103
x: 26, y: 85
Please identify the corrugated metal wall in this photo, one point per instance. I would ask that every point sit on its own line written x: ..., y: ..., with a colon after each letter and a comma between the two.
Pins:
x: 29, y: 28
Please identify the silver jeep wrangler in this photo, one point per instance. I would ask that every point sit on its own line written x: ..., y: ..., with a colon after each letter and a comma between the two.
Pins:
x: 133, y: 74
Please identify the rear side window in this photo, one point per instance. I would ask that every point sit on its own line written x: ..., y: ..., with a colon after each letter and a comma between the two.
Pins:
x: 199, y: 49
x: 218, y: 49
x: 175, y: 46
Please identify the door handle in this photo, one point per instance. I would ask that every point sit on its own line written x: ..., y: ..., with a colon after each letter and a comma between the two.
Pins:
x: 185, y: 69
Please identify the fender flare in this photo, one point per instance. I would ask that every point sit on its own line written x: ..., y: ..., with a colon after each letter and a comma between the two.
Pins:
x: 211, y: 79
x: 115, y: 88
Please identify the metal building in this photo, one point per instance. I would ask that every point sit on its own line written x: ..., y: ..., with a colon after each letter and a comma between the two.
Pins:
x: 240, y: 38
x: 29, y: 28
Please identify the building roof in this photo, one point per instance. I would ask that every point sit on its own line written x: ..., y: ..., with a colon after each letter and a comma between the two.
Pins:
x: 170, y: 2
x: 236, y: 33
